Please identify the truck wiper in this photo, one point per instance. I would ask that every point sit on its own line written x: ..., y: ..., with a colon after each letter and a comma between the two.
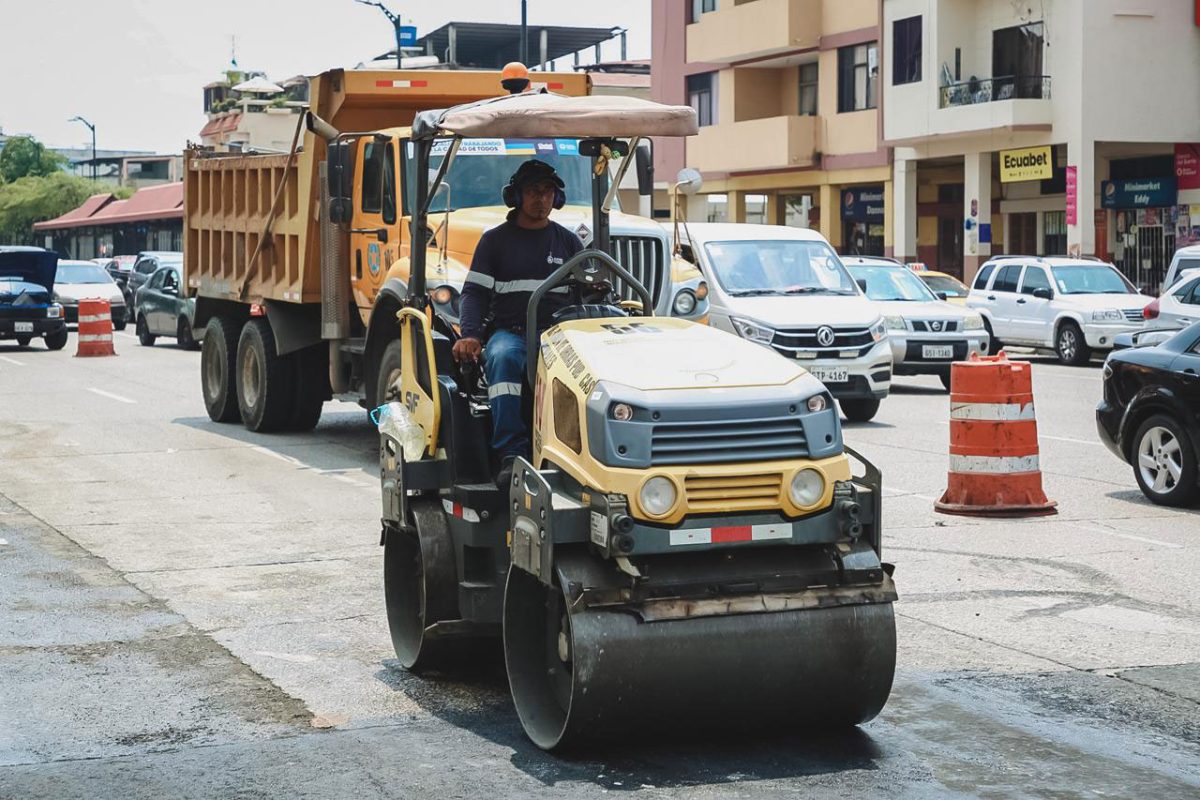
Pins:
x: 753, y: 292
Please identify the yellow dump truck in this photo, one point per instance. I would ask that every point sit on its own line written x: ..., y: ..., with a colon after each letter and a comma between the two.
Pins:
x: 299, y: 261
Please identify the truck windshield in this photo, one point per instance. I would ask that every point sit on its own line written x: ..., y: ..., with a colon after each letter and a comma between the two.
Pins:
x: 483, y: 166
x: 1088, y: 279
x: 893, y: 283
x: 778, y: 267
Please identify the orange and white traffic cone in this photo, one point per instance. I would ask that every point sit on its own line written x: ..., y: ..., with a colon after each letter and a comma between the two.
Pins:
x: 95, y: 329
x: 994, y: 467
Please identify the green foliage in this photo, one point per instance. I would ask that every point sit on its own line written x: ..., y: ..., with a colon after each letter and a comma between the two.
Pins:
x: 121, y: 192
x: 23, y: 156
x: 38, y: 197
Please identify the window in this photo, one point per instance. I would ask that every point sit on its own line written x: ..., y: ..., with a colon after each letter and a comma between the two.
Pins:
x: 170, y: 279
x: 1006, y: 280
x: 379, y: 180
x: 702, y: 96
x: 1187, y: 293
x: 858, y: 68
x: 1054, y: 232
x: 906, y: 51
x: 146, y: 266
x: 701, y: 7
x: 982, y: 278
x: 156, y: 281
x: 1017, y: 61
x: 1035, y: 278
x: 808, y: 89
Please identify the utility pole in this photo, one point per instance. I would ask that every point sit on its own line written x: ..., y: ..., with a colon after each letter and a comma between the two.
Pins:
x: 524, y: 34
x: 93, y: 130
x: 392, y: 18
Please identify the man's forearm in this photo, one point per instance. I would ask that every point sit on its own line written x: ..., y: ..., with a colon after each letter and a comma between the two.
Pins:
x: 475, y: 301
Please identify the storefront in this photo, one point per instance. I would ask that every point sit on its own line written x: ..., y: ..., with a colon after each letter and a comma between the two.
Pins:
x: 862, y: 221
x: 1146, y: 217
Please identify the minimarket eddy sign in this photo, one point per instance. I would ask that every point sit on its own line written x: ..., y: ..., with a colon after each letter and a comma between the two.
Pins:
x: 1138, y: 193
x: 1026, y: 164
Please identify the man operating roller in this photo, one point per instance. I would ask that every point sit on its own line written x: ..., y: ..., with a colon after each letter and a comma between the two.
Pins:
x: 510, y: 262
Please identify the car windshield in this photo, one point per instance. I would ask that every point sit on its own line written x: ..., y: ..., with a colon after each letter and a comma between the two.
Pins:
x: 483, y: 166
x: 893, y: 283
x: 1087, y: 279
x: 778, y: 267
x: 81, y: 273
x: 943, y: 283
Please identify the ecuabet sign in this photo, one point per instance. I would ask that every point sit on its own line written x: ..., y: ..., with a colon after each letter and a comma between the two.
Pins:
x: 1027, y: 164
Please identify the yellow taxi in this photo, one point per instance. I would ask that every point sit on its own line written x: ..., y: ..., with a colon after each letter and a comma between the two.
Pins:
x: 941, y: 283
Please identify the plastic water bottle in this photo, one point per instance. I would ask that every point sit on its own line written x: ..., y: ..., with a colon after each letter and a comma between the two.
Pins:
x: 394, y: 419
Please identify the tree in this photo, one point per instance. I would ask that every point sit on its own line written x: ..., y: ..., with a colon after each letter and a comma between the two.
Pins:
x: 38, y: 197
x: 23, y: 156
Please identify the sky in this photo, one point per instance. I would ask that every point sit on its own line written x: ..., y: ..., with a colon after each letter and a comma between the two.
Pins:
x: 135, y: 68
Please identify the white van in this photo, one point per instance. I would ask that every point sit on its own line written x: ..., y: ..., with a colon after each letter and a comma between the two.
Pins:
x: 787, y: 289
x: 1186, y: 259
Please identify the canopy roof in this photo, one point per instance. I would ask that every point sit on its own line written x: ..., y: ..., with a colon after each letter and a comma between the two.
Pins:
x: 542, y: 114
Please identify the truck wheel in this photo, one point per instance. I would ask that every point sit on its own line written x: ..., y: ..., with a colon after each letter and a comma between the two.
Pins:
x: 145, y: 337
x: 217, y: 365
x: 1070, y: 345
x: 860, y: 409
x: 311, y: 367
x: 183, y: 335
x: 389, y: 371
x: 265, y: 381
x: 56, y: 341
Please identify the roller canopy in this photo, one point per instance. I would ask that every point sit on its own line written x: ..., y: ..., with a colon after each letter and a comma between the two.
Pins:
x: 543, y: 114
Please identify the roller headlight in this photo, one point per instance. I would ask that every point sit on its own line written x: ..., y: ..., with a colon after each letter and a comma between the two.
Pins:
x: 878, y: 330
x: 817, y: 403
x: 685, y: 303
x: 808, y: 487
x: 895, y: 323
x: 443, y: 295
x: 753, y: 331
x: 622, y: 412
x: 973, y: 323
x: 657, y: 496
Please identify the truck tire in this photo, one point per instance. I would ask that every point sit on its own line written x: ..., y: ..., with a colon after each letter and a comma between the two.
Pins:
x: 311, y: 368
x: 56, y: 341
x: 859, y: 409
x: 389, y: 369
x: 217, y: 365
x: 265, y: 381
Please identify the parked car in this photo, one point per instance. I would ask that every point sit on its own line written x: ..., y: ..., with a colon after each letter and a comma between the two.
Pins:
x: 148, y: 262
x: 1186, y: 259
x: 162, y: 310
x: 1150, y: 415
x: 785, y: 288
x: 27, y: 307
x: 927, y: 334
x: 1069, y: 305
x: 1179, y: 305
x: 954, y: 290
x: 118, y: 267
x: 83, y: 280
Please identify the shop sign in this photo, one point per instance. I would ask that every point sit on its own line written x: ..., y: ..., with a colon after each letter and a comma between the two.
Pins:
x: 1072, y: 195
x: 1027, y: 164
x: 863, y: 204
x: 1138, y: 193
x: 1187, y: 166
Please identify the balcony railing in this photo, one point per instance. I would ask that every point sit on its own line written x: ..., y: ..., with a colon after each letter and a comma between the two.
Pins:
x: 987, y: 90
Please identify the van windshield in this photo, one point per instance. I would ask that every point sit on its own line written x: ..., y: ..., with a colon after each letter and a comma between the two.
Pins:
x: 1083, y: 279
x: 778, y: 267
x: 483, y: 166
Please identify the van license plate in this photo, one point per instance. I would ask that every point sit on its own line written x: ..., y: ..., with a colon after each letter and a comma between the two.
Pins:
x: 935, y: 351
x: 830, y: 374
x: 23, y: 327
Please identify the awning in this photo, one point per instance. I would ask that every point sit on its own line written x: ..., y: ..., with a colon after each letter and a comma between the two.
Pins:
x: 163, y: 202
x: 222, y: 124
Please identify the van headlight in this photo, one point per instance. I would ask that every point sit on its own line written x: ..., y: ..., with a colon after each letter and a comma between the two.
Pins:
x: 878, y: 330
x: 685, y: 303
x: 974, y: 322
x: 1107, y: 315
x: 657, y: 496
x: 753, y: 331
x: 808, y: 487
x: 895, y: 323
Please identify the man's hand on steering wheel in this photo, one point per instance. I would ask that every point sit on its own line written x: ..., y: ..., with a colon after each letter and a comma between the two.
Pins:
x: 467, y: 349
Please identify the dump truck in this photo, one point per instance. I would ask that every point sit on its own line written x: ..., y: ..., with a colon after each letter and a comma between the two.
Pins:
x: 299, y: 261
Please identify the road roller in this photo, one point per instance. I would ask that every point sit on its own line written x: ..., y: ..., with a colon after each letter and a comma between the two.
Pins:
x: 689, y: 548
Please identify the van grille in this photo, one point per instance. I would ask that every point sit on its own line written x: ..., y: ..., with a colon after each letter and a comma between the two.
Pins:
x: 642, y: 256
x: 733, y: 492
x: 727, y: 441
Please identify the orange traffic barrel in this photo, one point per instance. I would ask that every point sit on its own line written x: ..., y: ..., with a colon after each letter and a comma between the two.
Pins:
x: 994, y: 467
x: 95, y: 329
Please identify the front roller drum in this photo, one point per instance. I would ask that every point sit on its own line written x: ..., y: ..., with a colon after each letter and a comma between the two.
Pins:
x: 604, y: 674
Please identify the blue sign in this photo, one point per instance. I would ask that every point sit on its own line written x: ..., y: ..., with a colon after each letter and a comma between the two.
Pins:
x: 1138, y: 193
x: 863, y: 204
x: 985, y: 232
x: 408, y: 35
x: 567, y: 147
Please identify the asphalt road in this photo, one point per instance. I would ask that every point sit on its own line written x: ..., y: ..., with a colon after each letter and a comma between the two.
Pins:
x: 191, y: 610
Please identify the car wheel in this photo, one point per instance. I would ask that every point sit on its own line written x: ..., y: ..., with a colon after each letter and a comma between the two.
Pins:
x: 945, y: 378
x: 56, y: 341
x: 859, y: 410
x: 183, y: 335
x: 23, y: 341
x: 119, y: 324
x: 1164, y: 462
x: 266, y: 381
x: 1070, y: 345
x: 994, y: 344
x: 217, y: 366
x: 145, y: 337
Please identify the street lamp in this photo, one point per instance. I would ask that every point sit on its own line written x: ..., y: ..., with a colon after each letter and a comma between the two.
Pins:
x: 92, y: 128
x: 394, y: 19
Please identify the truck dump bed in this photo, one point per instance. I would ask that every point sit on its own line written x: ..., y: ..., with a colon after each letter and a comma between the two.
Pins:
x: 228, y: 197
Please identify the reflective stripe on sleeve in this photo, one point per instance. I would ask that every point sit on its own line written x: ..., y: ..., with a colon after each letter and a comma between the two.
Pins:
x: 486, y: 281
x: 504, y: 390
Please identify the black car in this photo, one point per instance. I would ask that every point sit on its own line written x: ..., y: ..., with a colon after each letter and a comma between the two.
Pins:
x: 1150, y: 414
x: 163, y: 310
x: 148, y: 262
x: 27, y: 307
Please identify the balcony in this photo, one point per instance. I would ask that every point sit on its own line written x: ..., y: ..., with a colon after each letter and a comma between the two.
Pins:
x: 753, y: 29
x: 991, y: 90
x: 768, y: 143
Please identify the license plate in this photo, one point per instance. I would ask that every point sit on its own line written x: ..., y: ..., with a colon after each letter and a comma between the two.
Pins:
x: 936, y: 351
x: 830, y: 374
x: 24, y: 327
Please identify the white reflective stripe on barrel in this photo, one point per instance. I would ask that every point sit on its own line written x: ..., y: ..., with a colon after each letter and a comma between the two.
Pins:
x: 94, y: 318
x: 992, y: 412
x: 993, y: 464
x: 95, y: 337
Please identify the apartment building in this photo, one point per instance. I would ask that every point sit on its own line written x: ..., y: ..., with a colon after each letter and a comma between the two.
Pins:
x: 1048, y: 127
x: 788, y: 96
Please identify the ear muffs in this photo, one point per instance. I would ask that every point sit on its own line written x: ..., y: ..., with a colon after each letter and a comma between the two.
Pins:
x: 509, y: 195
x: 560, y: 198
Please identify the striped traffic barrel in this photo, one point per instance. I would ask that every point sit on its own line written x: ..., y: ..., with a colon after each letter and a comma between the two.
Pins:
x: 994, y: 466
x: 95, y: 329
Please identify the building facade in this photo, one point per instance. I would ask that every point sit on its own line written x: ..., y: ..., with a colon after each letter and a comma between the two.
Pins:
x: 788, y: 96
x: 1057, y: 127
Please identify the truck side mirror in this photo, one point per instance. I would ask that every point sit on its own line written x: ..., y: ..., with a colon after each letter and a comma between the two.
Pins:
x: 644, y: 160
x: 341, y: 181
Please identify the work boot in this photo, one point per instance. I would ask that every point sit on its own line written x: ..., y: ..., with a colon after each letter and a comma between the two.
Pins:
x: 504, y: 476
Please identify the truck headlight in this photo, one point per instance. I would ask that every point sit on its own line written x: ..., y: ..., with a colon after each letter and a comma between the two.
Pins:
x: 54, y: 311
x: 1107, y: 315
x: 817, y: 403
x: 702, y: 290
x: 878, y: 330
x: 443, y: 295
x: 752, y: 330
x: 808, y: 486
x: 895, y: 323
x: 973, y: 323
x: 657, y: 496
x: 685, y: 303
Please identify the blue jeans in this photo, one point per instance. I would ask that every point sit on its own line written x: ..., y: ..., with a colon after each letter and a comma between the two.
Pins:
x: 504, y: 365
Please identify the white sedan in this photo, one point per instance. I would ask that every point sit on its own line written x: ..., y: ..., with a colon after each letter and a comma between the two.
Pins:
x: 1179, y: 305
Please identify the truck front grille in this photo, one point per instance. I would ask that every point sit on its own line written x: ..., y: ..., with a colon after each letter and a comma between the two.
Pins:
x: 644, y: 257
x: 727, y: 441
x: 732, y: 493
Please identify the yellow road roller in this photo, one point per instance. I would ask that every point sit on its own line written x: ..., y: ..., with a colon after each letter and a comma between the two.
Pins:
x: 687, y: 549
